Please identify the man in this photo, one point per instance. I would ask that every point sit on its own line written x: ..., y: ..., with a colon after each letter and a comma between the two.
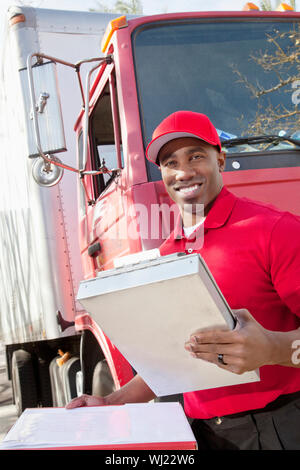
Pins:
x: 253, y: 253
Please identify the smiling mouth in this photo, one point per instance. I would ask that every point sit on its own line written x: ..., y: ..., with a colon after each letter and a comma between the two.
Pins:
x: 189, y: 189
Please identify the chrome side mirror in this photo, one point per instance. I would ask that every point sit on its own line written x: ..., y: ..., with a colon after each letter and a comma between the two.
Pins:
x: 45, y: 173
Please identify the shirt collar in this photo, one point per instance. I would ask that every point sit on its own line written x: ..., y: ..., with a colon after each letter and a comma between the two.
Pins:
x: 217, y: 215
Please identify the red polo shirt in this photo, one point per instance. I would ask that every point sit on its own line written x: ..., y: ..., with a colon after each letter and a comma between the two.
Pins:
x: 253, y: 252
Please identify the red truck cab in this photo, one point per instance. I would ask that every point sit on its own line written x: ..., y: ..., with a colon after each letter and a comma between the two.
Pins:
x: 239, y: 68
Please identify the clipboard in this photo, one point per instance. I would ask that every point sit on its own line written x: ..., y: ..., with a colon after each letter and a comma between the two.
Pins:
x: 149, y: 309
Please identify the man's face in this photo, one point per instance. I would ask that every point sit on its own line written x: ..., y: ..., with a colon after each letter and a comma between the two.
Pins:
x: 191, y: 171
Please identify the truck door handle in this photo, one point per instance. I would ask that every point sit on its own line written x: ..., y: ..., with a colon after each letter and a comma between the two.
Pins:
x: 94, y: 249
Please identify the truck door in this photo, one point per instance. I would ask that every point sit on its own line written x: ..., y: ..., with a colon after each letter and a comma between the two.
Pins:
x: 105, y: 217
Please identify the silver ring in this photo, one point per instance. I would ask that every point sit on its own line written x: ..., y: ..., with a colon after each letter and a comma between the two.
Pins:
x: 221, y: 360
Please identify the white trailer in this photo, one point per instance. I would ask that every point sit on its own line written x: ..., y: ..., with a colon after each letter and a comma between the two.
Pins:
x: 40, y: 265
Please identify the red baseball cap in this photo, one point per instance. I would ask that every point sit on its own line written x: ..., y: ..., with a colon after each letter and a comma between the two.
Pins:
x: 182, y: 124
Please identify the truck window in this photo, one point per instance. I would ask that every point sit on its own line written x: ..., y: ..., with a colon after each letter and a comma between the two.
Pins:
x: 103, y: 143
x: 242, y: 73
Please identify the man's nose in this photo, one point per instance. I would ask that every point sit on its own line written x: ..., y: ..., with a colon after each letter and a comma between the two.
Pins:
x: 185, y: 172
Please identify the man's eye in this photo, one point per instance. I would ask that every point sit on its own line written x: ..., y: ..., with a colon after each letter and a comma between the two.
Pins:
x: 197, y: 157
x: 170, y: 163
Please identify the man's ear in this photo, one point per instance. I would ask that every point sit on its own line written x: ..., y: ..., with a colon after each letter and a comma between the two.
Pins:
x: 221, y: 161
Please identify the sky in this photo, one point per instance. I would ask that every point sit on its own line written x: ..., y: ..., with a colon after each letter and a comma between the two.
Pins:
x: 150, y: 7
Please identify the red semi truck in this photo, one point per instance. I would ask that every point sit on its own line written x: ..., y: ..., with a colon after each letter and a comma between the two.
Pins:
x: 239, y: 68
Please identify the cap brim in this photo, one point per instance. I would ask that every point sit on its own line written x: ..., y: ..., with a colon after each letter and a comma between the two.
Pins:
x: 155, y: 145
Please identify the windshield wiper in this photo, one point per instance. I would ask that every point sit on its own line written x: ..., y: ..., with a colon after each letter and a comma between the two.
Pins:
x: 259, y: 139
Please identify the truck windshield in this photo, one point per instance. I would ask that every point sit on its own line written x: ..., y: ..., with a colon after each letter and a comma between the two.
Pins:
x: 244, y: 74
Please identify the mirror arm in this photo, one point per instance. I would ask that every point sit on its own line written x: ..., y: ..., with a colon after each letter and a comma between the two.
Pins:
x: 40, y: 56
x: 33, y: 105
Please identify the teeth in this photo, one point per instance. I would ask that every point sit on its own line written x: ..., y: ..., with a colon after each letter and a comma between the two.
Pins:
x: 189, y: 189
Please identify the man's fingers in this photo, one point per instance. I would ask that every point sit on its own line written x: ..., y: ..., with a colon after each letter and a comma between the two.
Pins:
x: 243, y: 316
x: 231, y: 363
x: 214, y: 348
x: 76, y: 403
x: 224, y: 335
x: 85, y: 400
x: 213, y: 336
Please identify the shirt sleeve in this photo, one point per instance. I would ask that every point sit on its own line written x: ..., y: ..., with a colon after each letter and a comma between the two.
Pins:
x: 284, y: 252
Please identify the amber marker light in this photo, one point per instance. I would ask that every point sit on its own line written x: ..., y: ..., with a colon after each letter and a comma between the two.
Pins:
x: 112, y: 26
x: 284, y: 7
x: 250, y: 6
x: 17, y: 19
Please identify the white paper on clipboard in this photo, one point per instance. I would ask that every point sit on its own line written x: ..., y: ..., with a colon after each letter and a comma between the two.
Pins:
x: 149, y: 311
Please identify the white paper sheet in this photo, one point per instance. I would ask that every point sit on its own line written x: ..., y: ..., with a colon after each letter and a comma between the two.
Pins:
x: 95, y: 426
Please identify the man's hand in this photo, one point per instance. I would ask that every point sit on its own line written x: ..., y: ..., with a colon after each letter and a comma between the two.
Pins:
x: 247, y: 347
x: 86, y: 400
x: 135, y: 391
